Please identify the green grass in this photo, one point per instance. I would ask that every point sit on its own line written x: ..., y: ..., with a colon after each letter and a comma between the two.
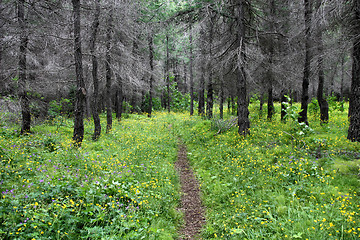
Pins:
x: 277, y: 183
x: 281, y: 182
x: 123, y: 186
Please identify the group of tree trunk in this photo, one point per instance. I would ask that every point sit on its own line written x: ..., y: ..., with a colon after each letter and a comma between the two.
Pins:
x: 212, y: 51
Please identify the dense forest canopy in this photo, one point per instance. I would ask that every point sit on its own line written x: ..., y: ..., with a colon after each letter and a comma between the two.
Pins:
x: 111, y: 56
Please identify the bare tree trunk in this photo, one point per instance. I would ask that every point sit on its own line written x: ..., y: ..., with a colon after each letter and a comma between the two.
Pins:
x: 243, y: 111
x: 210, y: 88
x: 168, y: 72
x: 342, y: 78
x: 191, y: 74
x: 354, y: 107
x: 222, y: 94
x: 2, y: 84
x: 151, y: 62
x: 95, y: 100
x: 323, y: 104
x: 305, y: 84
x: 24, y: 99
x: 201, y: 107
x: 271, y: 107
x: 80, y: 92
x: 108, y: 72
x: 185, y: 88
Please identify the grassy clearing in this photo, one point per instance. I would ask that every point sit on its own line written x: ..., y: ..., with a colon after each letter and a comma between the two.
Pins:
x: 284, y: 181
x: 121, y: 187
x: 281, y: 182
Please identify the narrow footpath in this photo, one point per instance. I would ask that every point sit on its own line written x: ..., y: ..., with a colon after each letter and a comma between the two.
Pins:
x: 191, y: 204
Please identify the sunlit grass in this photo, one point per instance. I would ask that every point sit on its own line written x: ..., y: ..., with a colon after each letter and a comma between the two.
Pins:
x: 276, y: 183
x: 123, y: 185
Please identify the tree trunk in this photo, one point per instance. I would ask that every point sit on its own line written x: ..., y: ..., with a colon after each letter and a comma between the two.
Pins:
x: 2, y: 83
x: 185, y: 87
x: 229, y: 105
x: 305, y: 84
x: 119, y: 99
x: 95, y: 100
x: 108, y: 73
x: 81, y: 92
x: 210, y: 88
x: 243, y: 111
x: 271, y: 107
x: 168, y: 73
x: 151, y: 62
x: 23, y: 94
x: 354, y: 107
x: 222, y: 95
x: 323, y: 104
x: 201, y: 107
x: 191, y: 74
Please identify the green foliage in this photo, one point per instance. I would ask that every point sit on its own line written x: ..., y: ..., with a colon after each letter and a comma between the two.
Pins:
x: 292, y: 115
x: 334, y: 104
x: 156, y: 103
x: 266, y: 187
x: 314, y: 108
x: 123, y: 186
x: 58, y: 108
x: 179, y: 101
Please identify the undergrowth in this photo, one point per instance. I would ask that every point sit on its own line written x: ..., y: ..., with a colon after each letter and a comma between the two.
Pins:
x: 278, y: 183
x: 281, y: 182
x: 121, y: 187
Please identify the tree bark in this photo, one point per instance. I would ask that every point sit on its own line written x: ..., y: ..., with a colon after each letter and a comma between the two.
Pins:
x: 191, y: 73
x: 222, y: 95
x: 119, y: 99
x: 323, y: 104
x: 210, y: 87
x: 23, y: 94
x: 243, y: 111
x: 305, y: 84
x: 168, y: 73
x: 95, y: 100
x: 271, y: 107
x: 108, y: 72
x: 201, y: 107
x: 354, y: 107
x: 81, y: 92
x: 151, y: 62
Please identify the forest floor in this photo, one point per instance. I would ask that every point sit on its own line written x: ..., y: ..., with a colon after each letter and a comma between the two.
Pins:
x: 191, y: 205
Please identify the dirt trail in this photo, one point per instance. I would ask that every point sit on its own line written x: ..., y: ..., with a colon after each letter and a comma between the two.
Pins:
x: 191, y: 204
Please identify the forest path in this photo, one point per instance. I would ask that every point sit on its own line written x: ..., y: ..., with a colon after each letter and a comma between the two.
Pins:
x: 191, y: 204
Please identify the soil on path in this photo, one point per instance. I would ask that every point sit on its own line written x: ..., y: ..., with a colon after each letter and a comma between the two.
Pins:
x: 191, y: 204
